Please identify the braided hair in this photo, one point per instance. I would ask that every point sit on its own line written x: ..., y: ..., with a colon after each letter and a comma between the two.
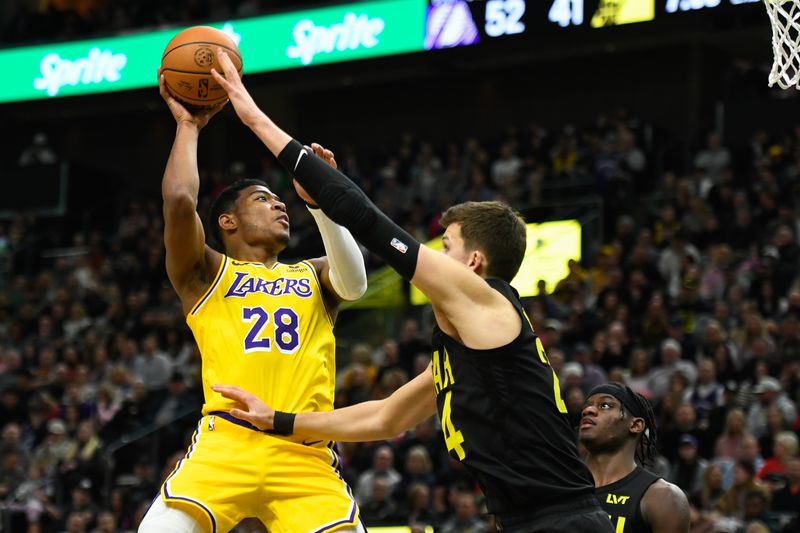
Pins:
x: 646, y: 449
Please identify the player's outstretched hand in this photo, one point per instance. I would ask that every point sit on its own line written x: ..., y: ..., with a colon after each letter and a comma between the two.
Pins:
x: 326, y: 156
x: 199, y: 118
x: 229, y: 79
x: 253, y: 409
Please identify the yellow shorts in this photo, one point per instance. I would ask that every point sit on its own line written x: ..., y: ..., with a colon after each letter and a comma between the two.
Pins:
x: 231, y: 472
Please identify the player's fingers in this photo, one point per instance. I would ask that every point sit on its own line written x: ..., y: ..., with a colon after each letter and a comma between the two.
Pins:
x: 232, y: 393
x: 225, y: 62
x: 238, y: 413
x: 328, y: 154
x: 221, y: 80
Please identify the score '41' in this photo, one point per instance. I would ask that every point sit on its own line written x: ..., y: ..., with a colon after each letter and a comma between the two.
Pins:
x: 566, y: 12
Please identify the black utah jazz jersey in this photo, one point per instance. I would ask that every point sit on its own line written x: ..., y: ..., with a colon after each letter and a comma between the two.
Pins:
x: 503, y: 418
x: 621, y: 501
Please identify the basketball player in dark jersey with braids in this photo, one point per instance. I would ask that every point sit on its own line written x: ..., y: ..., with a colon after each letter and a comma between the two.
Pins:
x: 498, y: 399
x: 618, y: 429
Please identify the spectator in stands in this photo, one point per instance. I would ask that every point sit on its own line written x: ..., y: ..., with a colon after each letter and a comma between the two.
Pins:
x: 770, y: 393
x: 785, y: 448
x: 787, y: 498
x: 153, y: 366
x: 81, y: 504
x: 381, y: 469
x: 378, y: 508
x: 688, y: 470
x: 744, y: 482
x: 466, y: 519
x: 671, y: 362
x: 714, y: 159
x: 756, y: 511
x: 707, y: 394
x: 712, y: 489
x: 106, y: 523
x: 54, y: 449
x: 751, y: 452
x: 417, y: 469
x: 83, y: 462
x: 729, y: 445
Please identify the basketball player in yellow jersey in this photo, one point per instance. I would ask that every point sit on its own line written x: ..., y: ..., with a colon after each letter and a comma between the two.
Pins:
x: 262, y: 324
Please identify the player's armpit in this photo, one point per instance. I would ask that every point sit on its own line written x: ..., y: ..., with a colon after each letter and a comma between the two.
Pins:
x: 665, y: 508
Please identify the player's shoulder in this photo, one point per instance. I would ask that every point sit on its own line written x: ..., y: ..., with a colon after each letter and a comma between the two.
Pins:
x: 665, y: 503
x: 663, y: 488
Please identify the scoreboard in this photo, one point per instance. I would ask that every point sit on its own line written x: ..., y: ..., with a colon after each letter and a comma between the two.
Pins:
x: 476, y: 21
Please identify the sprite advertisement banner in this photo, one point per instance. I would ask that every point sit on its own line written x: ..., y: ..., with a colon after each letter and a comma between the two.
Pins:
x: 272, y: 42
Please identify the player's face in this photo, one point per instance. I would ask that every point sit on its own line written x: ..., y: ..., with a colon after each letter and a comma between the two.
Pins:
x: 262, y: 217
x: 602, y: 427
x: 453, y: 244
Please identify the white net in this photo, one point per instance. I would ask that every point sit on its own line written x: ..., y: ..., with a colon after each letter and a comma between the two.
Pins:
x: 784, y: 15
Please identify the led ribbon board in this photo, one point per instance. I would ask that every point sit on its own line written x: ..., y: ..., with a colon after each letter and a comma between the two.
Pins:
x: 272, y: 42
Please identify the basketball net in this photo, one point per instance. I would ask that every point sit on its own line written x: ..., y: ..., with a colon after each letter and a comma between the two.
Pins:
x: 784, y: 16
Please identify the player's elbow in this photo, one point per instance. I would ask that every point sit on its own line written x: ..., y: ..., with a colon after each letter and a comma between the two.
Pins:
x: 350, y: 287
x: 353, y: 293
x: 386, y: 424
x: 179, y: 202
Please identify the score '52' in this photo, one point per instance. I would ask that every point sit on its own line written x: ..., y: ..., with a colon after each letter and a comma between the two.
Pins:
x: 503, y: 17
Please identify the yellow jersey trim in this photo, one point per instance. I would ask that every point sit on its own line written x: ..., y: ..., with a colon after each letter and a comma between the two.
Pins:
x: 222, y: 266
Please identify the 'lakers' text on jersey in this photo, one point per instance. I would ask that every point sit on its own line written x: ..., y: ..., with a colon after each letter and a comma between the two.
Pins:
x: 622, y: 499
x: 266, y: 330
x: 503, y: 417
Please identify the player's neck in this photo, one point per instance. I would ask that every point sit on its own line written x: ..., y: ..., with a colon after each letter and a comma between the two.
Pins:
x: 607, y: 468
x: 244, y: 252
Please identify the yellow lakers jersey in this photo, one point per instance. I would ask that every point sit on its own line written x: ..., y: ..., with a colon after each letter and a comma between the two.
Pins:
x: 266, y: 330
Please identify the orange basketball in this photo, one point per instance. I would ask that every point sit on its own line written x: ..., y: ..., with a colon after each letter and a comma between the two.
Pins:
x: 187, y: 63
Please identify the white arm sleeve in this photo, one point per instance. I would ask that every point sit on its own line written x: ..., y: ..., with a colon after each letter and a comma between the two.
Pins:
x: 347, y: 272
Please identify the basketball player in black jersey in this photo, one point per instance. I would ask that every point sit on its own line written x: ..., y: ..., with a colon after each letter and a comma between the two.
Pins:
x: 617, y: 429
x: 497, y: 396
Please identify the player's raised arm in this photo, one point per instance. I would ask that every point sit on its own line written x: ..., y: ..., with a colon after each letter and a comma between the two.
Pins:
x: 189, y: 260
x: 375, y: 420
x: 341, y: 271
x: 470, y: 307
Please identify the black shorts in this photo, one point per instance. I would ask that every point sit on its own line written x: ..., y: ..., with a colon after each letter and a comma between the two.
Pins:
x: 577, y: 515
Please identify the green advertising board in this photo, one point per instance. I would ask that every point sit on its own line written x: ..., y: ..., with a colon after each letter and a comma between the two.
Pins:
x: 272, y: 42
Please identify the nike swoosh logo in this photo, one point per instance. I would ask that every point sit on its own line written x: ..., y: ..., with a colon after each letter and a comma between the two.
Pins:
x: 299, y: 157
x: 311, y: 443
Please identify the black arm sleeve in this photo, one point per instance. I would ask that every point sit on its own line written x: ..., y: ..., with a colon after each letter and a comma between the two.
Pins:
x: 346, y: 204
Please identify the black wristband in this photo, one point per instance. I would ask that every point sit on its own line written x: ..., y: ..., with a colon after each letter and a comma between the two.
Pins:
x: 283, y: 423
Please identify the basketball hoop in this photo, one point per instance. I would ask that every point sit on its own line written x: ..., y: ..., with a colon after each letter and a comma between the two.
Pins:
x: 785, y: 18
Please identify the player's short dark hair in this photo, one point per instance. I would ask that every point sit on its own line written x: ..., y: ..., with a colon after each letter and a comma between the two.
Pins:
x: 495, y: 229
x: 225, y: 203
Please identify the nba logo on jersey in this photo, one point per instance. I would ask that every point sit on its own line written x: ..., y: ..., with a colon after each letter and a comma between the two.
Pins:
x: 211, y: 420
x: 399, y: 245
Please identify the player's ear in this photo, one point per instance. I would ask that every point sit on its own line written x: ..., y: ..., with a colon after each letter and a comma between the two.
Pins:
x: 227, y: 222
x: 477, y: 261
x: 637, y: 425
